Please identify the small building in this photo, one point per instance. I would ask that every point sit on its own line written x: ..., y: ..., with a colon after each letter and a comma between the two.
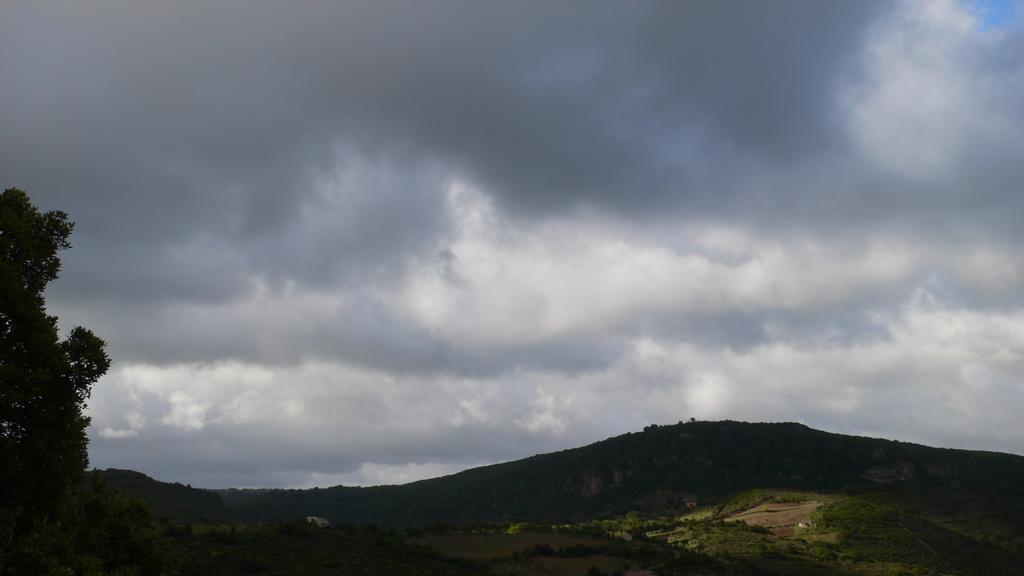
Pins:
x: 318, y: 521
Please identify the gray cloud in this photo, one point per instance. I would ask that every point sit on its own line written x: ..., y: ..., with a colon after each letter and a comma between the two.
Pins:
x: 521, y: 226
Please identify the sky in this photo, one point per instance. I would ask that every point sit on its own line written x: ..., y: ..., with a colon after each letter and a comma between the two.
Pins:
x: 373, y: 242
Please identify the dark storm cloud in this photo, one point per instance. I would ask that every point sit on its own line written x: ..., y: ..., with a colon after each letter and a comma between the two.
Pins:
x: 456, y: 232
x: 213, y: 115
x: 188, y: 139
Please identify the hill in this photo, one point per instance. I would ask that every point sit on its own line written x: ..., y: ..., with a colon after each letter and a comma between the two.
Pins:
x: 661, y: 470
x: 176, y: 503
x: 691, y: 498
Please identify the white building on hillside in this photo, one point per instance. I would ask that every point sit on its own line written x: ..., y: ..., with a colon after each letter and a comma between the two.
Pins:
x: 317, y: 521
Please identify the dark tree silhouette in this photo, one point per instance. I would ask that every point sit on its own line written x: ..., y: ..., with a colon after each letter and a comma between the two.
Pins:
x: 44, y: 383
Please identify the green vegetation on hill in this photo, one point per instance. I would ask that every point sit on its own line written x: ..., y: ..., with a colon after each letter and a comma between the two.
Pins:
x: 654, y: 471
x: 723, y: 498
x: 175, y: 503
x: 872, y: 533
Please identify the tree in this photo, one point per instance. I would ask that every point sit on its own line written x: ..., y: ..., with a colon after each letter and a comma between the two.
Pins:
x: 44, y: 383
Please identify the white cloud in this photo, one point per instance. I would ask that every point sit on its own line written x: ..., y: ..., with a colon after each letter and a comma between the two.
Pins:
x: 937, y: 373
x: 505, y: 282
x: 373, y: 474
x: 186, y: 412
x: 108, y: 432
x: 930, y: 93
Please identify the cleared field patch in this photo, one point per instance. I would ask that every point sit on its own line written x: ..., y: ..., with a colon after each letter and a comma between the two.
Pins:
x: 487, y: 546
x: 780, y: 518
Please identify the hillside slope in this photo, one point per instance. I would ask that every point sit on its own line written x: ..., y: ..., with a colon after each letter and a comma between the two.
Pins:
x: 661, y: 469
x: 177, y: 503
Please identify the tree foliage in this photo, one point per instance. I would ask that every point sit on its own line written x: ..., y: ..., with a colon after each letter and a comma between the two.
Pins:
x: 44, y: 383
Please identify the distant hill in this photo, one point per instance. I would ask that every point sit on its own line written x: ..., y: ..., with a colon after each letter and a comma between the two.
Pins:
x: 714, y: 498
x: 177, y: 503
x: 661, y: 469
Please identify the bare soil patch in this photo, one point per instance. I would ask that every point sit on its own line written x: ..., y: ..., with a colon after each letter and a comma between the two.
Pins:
x: 780, y: 518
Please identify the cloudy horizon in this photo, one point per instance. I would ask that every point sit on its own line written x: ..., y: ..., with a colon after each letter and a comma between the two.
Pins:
x: 375, y: 242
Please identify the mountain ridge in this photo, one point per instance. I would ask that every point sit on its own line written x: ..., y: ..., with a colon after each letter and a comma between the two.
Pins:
x: 662, y: 469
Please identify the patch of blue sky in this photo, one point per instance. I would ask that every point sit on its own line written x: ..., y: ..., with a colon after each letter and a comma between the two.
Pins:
x: 993, y: 13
